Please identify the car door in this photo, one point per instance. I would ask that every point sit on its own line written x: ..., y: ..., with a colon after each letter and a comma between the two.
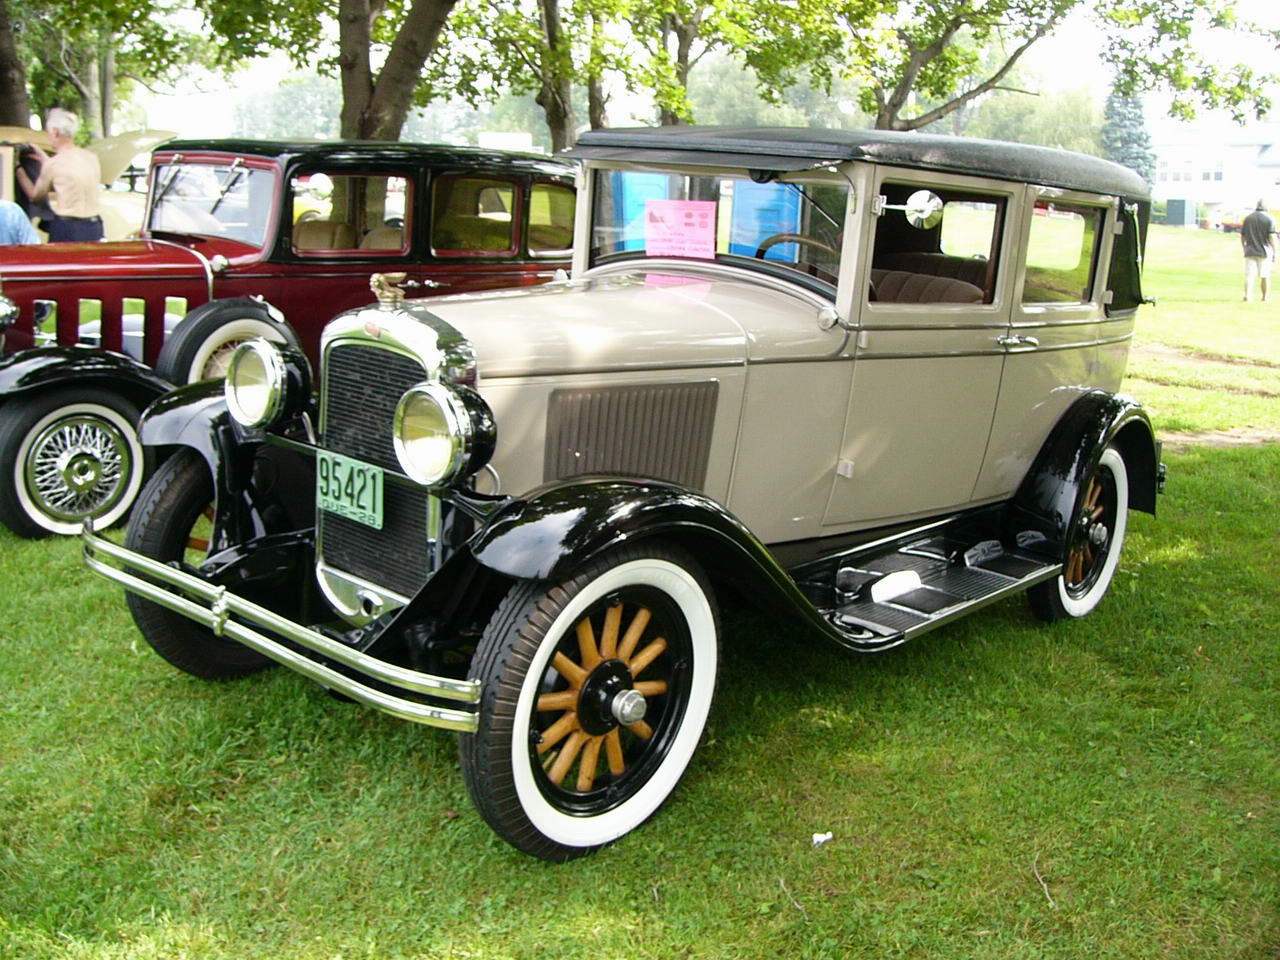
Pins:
x: 927, y: 365
x: 1055, y: 324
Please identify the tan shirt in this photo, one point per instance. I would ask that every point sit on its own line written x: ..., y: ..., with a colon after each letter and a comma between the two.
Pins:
x: 72, y: 175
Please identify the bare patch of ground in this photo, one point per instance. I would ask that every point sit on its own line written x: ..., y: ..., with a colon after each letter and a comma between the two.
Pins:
x: 1161, y: 351
x: 1177, y: 441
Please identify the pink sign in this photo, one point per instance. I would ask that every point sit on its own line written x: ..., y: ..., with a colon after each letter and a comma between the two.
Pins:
x: 680, y: 228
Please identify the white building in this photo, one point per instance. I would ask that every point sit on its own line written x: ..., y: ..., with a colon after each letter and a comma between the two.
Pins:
x: 1216, y: 163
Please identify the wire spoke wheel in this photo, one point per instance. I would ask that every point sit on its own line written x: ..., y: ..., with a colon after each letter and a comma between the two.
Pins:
x: 77, y: 466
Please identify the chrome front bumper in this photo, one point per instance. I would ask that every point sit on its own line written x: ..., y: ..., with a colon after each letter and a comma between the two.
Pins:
x: 214, y: 606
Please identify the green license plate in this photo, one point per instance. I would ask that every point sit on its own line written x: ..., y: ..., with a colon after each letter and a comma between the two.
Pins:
x: 349, y: 488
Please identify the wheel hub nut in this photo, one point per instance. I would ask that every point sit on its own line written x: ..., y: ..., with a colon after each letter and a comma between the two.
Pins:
x: 1098, y: 535
x: 629, y: 706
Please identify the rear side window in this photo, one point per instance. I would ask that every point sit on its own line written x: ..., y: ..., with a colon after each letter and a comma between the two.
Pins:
x: 341, y: 212
x: 551, y: 220
x: 1061, y: 253
x: 473, y: 216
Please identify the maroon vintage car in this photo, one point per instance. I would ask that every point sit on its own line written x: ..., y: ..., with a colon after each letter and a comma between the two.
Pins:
x: 241, y: 239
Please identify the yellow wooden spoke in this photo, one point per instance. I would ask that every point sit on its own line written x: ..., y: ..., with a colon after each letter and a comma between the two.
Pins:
x: 634, y: 632
x: 609, y: 639
x: 641, y: 729
x: 587, y: 644
x: 568, y: 669
x: 562, y: 700
x: 1095, y: 488
x: 647, y: 656
x: 613, y: 750
x: 652, y: 688
x: 1098, y: 511
x: 587, y: 769
x: 557, y: 731
x: 196, y: 543
x: 1088, y: 558
x: 567, y: 756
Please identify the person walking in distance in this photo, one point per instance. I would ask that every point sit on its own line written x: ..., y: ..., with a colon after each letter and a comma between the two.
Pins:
x: 72, y: 176
x: 1256, y: 233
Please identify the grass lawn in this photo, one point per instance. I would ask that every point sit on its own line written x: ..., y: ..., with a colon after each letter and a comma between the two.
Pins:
x: 1105, y: 788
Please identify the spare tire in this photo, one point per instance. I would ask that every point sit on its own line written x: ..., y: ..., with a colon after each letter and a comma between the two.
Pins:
x: 200, y: 346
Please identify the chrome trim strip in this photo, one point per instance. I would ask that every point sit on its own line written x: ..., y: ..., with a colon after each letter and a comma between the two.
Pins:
x: 221, y: 604
x: 938, y: 355
x: 955, y: 613
x: 488, y: 375
x: 204, y: 261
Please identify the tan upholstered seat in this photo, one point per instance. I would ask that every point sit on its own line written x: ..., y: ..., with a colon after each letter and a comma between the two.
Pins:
x: 323, y: 235
x: 899, y: 286
x: 383, y: 238
x: 969, y: 269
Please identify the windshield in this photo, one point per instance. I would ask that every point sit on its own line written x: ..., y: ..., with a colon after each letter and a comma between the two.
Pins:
x: 212, y: 199
x: 796, y: 226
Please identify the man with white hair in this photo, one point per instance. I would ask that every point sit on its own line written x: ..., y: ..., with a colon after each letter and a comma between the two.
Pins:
x: 72, y: 176
x: 1259, y: 250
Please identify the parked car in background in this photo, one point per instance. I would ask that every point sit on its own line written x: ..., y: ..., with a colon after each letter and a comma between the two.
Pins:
x: 241, y: 239
x: 865, y: 379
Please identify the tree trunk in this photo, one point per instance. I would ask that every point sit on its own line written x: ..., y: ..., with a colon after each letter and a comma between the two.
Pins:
x: 355, y: 35
x: 106, y: 81
x: 554, y: 96
x: 597, y: 99
x: 15, y: 108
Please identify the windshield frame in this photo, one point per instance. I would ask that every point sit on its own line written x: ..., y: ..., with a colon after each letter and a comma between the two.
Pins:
x: 589, y: 257
x: 246, y: 167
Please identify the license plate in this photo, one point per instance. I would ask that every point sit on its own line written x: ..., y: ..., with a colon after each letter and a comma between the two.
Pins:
x: 349, y: 488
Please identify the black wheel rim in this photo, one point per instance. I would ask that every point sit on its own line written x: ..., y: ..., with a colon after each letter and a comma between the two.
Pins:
x: 1092, y: 537
x: 585, y: 760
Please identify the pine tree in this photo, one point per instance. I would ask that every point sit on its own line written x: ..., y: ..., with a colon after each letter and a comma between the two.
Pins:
x: 1124, y: 136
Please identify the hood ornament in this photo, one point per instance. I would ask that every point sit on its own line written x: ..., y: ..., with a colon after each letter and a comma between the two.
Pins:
x: 384, y: 287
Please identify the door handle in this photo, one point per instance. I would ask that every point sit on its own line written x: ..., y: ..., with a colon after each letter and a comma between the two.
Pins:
x: 424, y: 282
x: 1018, y: 341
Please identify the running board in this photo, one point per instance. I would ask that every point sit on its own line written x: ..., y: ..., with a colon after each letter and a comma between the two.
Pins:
x: 889, y: 593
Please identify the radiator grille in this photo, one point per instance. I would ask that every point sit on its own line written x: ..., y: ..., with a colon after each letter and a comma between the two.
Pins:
x: 661, y: 431
x: 362, y: 385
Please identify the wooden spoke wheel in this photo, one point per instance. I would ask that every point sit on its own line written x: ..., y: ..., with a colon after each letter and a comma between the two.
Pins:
x: 596, y: 693
x: 1094, y: 542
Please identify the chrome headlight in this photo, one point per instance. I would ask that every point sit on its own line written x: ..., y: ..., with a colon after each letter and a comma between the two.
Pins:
x: 264, y: 381
x: 442, y: 432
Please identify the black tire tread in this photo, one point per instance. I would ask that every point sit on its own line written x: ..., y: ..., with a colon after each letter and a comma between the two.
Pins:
x: 159, y: 529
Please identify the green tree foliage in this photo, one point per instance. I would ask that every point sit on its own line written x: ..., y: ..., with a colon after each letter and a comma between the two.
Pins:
x: 1124, y: 136
x: 87, y: 54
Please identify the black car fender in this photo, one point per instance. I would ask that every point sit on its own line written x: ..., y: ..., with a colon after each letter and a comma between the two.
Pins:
x: 1045, y: 501
x: 554, y: 530
x: 42, y: 368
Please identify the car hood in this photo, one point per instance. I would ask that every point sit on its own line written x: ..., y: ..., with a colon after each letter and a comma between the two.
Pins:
x: 83, y: 261
x: 642, y: 319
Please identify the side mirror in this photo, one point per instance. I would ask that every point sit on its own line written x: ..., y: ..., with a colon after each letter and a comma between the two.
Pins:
x: 924, y: 209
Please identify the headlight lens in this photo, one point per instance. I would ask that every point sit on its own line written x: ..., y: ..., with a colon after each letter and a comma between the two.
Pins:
x: 442, y: 432
x: 255, y: 384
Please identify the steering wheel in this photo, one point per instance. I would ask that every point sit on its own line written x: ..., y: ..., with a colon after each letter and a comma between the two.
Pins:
x: 800, y: 238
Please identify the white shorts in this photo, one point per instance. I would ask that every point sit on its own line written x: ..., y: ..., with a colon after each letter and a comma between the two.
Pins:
x: 1257, y: 267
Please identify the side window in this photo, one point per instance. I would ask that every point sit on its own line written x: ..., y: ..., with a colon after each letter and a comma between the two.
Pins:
x: 948, y: 257
x: 551, y: 220
x: 343, y: 213
x: 1061, y: 252
x: 473, y: 216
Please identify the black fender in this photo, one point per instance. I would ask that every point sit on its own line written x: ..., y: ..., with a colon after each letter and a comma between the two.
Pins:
x: 42, y: 368
x: 560, y: 526
x: 1045, y: 501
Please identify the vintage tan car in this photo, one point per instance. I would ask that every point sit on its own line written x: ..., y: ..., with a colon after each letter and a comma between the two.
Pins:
x: 866, y: 380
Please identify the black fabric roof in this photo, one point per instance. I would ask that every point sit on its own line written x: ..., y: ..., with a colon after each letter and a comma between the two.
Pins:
x: 802, y: 148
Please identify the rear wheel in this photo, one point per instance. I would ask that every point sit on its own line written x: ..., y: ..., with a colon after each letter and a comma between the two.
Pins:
x: 596, y: 694
x: 1094, y: 543
x: 173, y: 522
x: 200, y: 346
x: 69, y: 455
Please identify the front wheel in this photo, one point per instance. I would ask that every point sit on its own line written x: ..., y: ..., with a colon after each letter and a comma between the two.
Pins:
x: 173, y: 523
x: 1093, y: 544
x: 596, y: 693
x: 69, y: 455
